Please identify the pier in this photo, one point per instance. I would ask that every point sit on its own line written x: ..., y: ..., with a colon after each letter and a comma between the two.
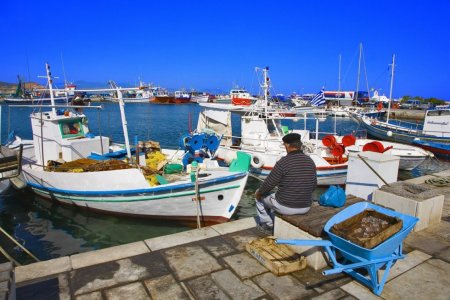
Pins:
x: 212, y: 263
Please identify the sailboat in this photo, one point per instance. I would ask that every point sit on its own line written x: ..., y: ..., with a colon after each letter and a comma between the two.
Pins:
x: 435, y: 128
x: 71, y: 165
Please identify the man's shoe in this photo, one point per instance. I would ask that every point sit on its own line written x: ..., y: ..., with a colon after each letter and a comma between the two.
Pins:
x: 264, y: 228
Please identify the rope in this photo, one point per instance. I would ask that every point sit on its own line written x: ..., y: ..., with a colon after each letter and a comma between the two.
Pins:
x: 9, y: 257
x: 256, y: 177
x: 439, y: 181
x: 18, y: 244
x: 373, y: 170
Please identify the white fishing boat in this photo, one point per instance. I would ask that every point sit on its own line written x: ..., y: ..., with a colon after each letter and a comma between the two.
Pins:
x: 203, y: 98
x: 70, y: 165
x: 410, y: 156
x: 261, y: 137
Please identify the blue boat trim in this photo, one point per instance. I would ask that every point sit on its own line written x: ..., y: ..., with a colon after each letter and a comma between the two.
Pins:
x: 153, y: 190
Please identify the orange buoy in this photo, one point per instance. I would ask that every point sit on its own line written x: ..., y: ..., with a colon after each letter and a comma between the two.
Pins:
x: 338, y: 150
x: 374, y: 146
x: 328, y: 140
x: 348, y: 140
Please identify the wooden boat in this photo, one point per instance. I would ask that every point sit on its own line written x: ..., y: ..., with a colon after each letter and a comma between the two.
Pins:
x: 435, y: 128
x: 75, y: 167
x: 440, y: 149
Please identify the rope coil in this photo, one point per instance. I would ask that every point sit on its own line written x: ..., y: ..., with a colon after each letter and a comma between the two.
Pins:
x: 439, y: 181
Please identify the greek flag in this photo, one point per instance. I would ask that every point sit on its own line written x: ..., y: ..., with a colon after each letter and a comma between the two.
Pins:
x: 318, y: 99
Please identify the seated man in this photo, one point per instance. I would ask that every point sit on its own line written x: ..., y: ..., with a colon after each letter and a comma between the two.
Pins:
x: 295, y: 176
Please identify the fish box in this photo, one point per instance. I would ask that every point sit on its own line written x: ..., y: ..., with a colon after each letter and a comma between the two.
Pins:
x: 278, y: 258
x: 368, y: 229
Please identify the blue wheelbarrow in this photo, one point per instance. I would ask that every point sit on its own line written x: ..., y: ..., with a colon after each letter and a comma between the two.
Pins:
x: 357, y: 258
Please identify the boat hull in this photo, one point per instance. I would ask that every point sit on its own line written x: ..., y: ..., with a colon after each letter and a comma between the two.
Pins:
x: 326, y: 174
x: 401, y: 136
x: 110, y: 192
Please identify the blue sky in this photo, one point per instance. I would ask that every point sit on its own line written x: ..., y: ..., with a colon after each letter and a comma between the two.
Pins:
x: 217, y: 44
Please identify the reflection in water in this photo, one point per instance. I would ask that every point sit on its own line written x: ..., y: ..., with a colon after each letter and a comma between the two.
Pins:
x: 49, y: 230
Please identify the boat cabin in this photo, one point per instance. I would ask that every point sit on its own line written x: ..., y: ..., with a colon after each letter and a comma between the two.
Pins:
x: 437, y: 122
x: 64, y: 135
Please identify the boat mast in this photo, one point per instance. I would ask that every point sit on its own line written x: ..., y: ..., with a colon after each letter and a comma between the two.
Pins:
x: 50, y: 87
x: 124, y: 121
x: 339, y: 76
x: 390, y: 92
x: 265, y: 89
x: 359, y: 72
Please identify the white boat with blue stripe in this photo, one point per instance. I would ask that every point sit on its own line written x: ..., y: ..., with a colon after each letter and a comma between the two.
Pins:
x: 70, y: 165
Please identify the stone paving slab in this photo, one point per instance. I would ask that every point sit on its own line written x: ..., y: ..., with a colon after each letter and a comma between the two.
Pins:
x: 91, y: 296
x: 331, y: 295
x: 428, y: 244
x: 42, y: 269
x: 320, y: 283
x: 283, y: 287
x: 359, y: 291
x: 190, y: 261
x: 180, y: 238
x: 233, y: 286
x: 429, y: 280
x: 217, y: 246
x: 234, y: 226
x: 205, y: 288
x: 244, y: 265
x: 120, y: 272
x: 165, y: 287
x: 108, y: 254
x: 239, y: 239
x: 412, y: 259
x: 135, y: 291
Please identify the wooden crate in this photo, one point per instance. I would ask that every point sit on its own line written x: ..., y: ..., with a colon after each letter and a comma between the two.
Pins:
x: 353, y: 228
x: 279, y: 259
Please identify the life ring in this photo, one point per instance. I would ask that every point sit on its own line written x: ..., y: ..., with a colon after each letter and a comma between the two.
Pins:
x: 256, y: 162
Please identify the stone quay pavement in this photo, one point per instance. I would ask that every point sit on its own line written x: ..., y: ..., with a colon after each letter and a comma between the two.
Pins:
x: 212, y: 263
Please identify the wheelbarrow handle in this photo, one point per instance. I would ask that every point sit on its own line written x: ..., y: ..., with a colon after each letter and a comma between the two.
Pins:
x: 317, y: 243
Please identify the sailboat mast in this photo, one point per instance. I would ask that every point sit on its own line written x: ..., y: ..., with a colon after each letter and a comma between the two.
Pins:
x: 359, y: 72
x: 124, y: 121
x: 392, y: 85
x: 50, y: 87
x: 339, y: 75
x: 266, y: 89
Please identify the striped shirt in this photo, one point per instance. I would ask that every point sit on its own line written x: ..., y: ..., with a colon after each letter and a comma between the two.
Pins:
x: 295, y: 176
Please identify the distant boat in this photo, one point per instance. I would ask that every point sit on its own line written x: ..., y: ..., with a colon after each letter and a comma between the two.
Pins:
x: 140, y: 94
x: 200, y: 98
x: 241, y: 97
x: 181, y: 97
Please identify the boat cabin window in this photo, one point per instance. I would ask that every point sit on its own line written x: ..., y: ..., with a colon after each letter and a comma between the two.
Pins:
x: 71, y: 128
x: 274, y: 127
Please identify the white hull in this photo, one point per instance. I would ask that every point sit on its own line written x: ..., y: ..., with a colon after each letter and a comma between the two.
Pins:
x: 327, y: 174
x: 410, y: 156
x: 126, y: 192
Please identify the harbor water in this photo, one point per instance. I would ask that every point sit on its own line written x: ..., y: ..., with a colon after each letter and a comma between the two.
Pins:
x: 49, y: 230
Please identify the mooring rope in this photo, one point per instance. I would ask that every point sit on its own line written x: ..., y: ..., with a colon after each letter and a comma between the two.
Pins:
x: 18, y: 244
x: 439, y: 181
